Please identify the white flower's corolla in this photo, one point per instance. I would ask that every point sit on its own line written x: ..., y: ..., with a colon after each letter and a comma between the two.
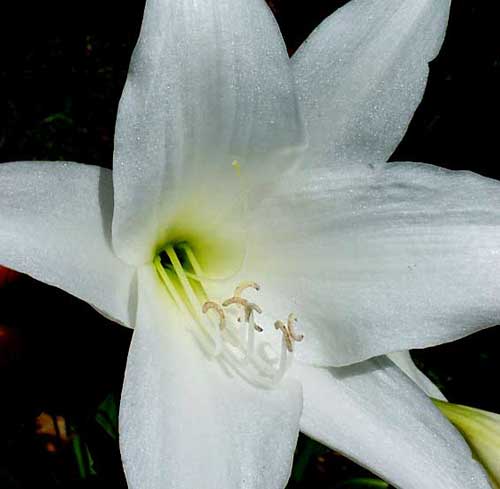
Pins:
x: 214, y: 192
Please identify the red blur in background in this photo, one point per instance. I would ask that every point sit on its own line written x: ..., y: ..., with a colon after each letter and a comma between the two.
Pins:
x: 7, y: 276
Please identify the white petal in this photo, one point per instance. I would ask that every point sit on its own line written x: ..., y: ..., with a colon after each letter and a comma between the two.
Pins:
x: 55, y: 225
x: 210, y: 82
x: 375, y: 415
x: 362, y: 74
x: 404, y: 361
x: 376, y: 260
x: 184, y: 423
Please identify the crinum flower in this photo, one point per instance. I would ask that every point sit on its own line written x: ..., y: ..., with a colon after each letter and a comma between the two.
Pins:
x: 248, y: 191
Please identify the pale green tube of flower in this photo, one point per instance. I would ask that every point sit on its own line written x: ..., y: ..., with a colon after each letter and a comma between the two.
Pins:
x: 481, y: 429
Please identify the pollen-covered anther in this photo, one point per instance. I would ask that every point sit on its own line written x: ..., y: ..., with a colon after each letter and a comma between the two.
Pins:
x: 289, y: 334
x: 235, y: 300
x: 245, y: 285
x: 248, y: 307
x: 286, y: 335
x: 292, y: 319
x: 218, y: 309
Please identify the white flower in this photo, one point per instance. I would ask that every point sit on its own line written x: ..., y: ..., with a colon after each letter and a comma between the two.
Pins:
x: 235, y: 166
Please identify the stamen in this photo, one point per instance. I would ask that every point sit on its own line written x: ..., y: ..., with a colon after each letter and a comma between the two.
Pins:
x: 179, y: 302
x: 245, y: 285
x: 288, y: 331
x: 283, y: 359
x: 169, y: 285
x: 250, y: 335
x: 198, y: 272
x: 186, y: 283
x: 292, y: 319
x: 213, y: 305
x: 235, y: 300
x: 190, y: 275
x: 240, y: 302
x: 258, y: 328
x: 181, y: 274
x: 286, y: 335
x: 248, y: 307
x: 191, y: 295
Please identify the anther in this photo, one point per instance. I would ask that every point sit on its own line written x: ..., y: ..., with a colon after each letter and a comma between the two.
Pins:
x: 235, y: 300
x: 213, y: 305
x: 249, y: 308
x: 286, y: 334
x: 291, y: 328
x: 245, y: 285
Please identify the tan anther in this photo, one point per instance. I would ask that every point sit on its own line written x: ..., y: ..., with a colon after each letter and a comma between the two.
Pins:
x: 239, y: 301
x: 235, y: 300
x: 291, y: 328
x: 245, y: 285
x: 286, y: 334
x: 248, y: 307
x: 218, y: 309
x: 249, y: 310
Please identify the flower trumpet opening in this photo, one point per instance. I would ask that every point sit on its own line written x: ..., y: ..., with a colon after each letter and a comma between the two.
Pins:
x: 211, y: 215
x: 225, y: 330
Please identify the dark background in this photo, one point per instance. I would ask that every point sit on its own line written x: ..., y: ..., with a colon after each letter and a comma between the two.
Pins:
x: 63, y: 66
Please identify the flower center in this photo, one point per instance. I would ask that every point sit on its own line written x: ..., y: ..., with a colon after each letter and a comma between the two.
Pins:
x: 226, y: 330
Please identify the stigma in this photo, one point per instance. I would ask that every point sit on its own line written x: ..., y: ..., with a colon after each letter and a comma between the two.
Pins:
x: 227, y: 330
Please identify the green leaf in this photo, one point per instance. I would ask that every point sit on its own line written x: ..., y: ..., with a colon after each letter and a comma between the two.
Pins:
x: 59, y: 117
x: 362, y: 482
x: 84, y: 460
x: 107, y: 416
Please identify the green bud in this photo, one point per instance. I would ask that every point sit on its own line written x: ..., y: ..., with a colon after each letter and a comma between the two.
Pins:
x: 481, y: 430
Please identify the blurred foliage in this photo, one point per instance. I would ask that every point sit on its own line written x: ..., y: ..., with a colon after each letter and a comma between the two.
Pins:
x: 63, y: 68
